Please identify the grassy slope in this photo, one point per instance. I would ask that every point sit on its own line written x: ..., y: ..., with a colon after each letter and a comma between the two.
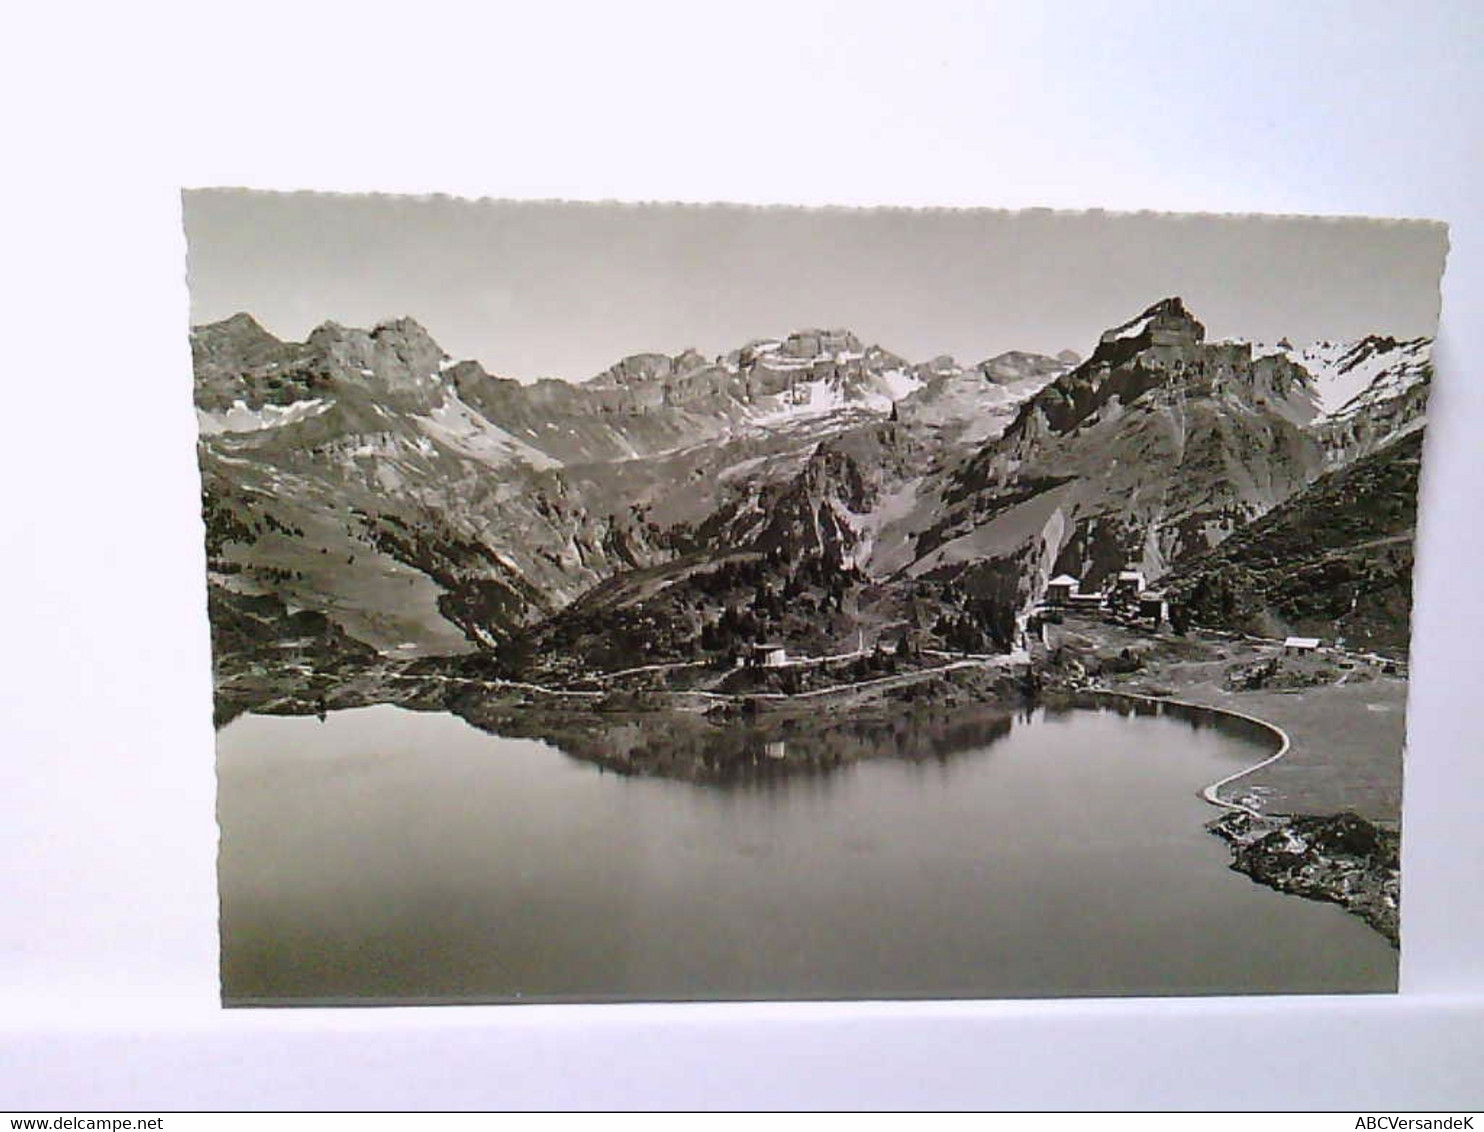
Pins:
x: 1347, y: 738
x: 1335, y: 561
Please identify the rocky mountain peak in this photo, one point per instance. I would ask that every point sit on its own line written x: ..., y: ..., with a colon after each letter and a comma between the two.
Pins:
x: 240, y: 337
x: 1017, y: 365
x: 397, y: 357
x: 405, y: 330
x: 1166, y: 323
x: 637, y: 368
x: 1162, y: 346
x: 241, y: 326
x: 326, y: 333
x: 1172, y: 306
x: 813, y: 343
x: 645, y: 368
x: 943, y: 365
x: 1367, y: 348
x: 473, y: 383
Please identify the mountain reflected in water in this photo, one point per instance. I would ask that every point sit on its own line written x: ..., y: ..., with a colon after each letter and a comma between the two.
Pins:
x: 738, y: 749
x: 734, y: 748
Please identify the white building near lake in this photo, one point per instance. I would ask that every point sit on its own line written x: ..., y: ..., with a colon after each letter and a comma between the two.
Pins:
x: 1129, y: 584
x: 767, y: 656
x: 1059, y: 590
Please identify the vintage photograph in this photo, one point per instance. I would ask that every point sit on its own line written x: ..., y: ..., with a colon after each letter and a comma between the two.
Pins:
x: 621, y: 602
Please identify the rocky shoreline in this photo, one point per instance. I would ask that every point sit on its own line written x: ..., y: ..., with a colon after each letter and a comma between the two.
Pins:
x: 1337, y: 858
x: 1341, y: 858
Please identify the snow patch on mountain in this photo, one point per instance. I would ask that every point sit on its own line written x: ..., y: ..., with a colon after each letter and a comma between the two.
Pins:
x: 1347, y: 376
x: 1132, y: 329
x: 807, y: 399
x: 978, y: 403
x: 239, y: 418
x: 1373, y: 371
x: 900, y: 383
x: 829, y: 395
x: 457, y: 426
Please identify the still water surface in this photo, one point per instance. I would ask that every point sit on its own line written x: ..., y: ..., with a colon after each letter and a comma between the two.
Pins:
x: 385, y: 855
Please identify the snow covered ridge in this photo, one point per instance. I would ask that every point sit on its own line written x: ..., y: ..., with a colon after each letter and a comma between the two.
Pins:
x: 239, y: 418
x: 1348, y: 376
x: 1370, y: 371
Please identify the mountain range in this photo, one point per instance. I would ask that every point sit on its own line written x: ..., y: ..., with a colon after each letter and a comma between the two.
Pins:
x: 363, y: 490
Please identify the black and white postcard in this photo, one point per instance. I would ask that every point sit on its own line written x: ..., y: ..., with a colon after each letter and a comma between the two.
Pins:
x: 654, y: 602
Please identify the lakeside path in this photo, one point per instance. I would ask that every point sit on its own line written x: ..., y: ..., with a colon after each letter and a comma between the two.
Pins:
x: 877, y: 683
x: 1346, y: 751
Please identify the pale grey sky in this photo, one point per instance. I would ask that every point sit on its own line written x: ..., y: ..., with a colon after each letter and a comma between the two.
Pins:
x: 565, y: 290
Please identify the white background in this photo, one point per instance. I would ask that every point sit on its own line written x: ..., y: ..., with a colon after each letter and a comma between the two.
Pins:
x: 107, y: 912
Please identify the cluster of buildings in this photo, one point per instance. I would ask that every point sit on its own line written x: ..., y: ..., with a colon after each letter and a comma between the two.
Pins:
x: 1128, y: 591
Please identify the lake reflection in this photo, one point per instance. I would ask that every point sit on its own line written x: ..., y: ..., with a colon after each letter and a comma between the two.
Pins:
x: 385, y: 855
x: 742, y: 749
